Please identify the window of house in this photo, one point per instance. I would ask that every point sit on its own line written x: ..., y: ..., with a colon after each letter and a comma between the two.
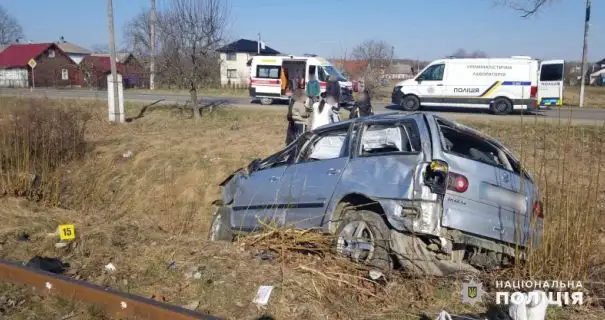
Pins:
x: 433, y: 73
x: 231, y: 73
x: 268, y: 72
x: 329, y: 145
x: 390, y: 138
x: 51, y: 53
x: 232, y: 56
x: 64, y: 74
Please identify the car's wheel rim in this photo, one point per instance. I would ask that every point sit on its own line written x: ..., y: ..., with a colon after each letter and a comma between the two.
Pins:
x: 410, y: 104
x: 356, y: 241
x: 216, y: 227
x: 501, y: 106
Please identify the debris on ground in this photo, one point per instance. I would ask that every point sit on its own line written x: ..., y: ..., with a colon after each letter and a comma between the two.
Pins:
x: 262, y: 295
x: 52, y: 265
x: 265, y: 256
x: 23, y: 236
x: 127, y: 154
x: 60, y: 245
x: 171, y: 265
x: 194, y: 273
x: 110, y: 267
x: 192, y: 305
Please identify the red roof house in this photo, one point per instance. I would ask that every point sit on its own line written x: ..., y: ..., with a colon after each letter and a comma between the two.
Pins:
x: 96, y: 67
x: 53, y: 67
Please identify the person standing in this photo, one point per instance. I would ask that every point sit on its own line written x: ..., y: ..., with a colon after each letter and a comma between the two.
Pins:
x: 333, y: 97
x: 298, y: 116
x: 313, y: 89
x: 362, y: 107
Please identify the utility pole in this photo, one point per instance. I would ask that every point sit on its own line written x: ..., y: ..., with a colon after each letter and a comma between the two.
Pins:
x: 585, y: 52
x: 152, y: 23
x: 258, y: 49
x: 112, y: 57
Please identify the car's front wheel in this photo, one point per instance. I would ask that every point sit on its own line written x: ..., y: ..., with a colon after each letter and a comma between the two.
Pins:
x: 410, y: 103
x: 364, y: 237
x: 220, y: 229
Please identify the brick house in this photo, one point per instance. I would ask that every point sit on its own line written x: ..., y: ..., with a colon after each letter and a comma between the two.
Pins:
x: 53, y: 68
x: 97, y: 66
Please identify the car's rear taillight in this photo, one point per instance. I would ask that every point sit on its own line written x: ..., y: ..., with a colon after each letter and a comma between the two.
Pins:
x: 533, y: 92
x: 537, y: 209
x: 457, y: 182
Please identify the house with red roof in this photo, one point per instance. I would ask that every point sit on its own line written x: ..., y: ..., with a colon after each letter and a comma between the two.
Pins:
x: 96, y: 67
x: 53, y: 67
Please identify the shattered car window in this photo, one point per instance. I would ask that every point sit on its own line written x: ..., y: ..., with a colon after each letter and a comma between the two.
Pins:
x: 470, y: 147
x: 328, y: 147
x: 384, y: 138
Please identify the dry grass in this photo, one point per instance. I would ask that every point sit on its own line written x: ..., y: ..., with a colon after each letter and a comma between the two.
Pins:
x: 143, y: 212
x: 594, y: 96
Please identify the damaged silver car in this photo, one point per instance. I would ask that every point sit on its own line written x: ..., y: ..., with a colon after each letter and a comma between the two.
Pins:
x: 413, y: 190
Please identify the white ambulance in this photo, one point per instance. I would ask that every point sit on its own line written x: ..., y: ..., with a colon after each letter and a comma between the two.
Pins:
x: 498, y: 84
x: 269, y: 76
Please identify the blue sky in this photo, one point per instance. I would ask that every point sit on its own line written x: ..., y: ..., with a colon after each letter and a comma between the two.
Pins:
x: 425, y: 29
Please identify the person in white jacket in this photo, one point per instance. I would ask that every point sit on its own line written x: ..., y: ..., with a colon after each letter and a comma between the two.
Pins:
x: 322, y: 114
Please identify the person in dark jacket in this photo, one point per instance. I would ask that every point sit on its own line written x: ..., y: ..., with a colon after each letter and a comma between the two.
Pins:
x: 298, y: 116
x: 362, y: 107
x: 333, y: 88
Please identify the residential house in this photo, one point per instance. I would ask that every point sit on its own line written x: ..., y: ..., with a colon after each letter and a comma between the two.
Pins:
x: 97, y: 66
x: 75, y: 52
x: 53, y: 67
x: 234, y: 59
x: 399, y: 71
x: 352, y: 69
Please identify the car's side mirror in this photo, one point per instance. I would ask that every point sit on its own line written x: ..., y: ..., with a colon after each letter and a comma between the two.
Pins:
x: 254, y: 165
x: 419, y: 80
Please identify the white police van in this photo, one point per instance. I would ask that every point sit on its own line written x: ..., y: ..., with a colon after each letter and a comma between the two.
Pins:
x: 498, y: 84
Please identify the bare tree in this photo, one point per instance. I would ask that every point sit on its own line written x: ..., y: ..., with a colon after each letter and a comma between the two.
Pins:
x: 10, y: 29
x: 190, y: 32
x: 379, y: 56
x: 461, y: 53
x: 137, y: 34
x: 526, y: 7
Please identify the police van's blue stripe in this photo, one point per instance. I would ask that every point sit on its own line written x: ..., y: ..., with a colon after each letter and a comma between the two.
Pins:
x: 516, y: 83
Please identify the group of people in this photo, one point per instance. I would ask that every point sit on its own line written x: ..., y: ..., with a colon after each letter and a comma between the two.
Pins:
x: 309, y: 108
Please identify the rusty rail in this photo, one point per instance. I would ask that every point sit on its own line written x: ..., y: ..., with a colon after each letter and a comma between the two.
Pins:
x: 116, y: 304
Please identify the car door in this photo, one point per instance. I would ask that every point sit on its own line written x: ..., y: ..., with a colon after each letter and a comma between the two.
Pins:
x: 310, y: 181
x: 550, y: 85
x: 473, y: 202
x: 256, y: 196
x: 519, y: 201
x: 431, y: 88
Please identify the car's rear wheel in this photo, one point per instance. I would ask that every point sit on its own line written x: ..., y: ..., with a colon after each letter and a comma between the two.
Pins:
x: 410, y: 103
x: 220, y: 229
x: 501, y: 106
x: 266, y: 101
x: 364, y: 237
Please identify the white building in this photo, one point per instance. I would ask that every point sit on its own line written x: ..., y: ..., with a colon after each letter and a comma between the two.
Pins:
x: 234, y: 61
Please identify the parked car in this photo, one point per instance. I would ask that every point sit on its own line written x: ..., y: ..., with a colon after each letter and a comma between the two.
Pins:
x: 435, y: 195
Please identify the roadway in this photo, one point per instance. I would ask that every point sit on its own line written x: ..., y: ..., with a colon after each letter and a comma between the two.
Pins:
x: 584, y: 115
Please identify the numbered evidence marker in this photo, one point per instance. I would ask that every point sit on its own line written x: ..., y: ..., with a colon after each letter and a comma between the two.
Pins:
x: 67, y: 232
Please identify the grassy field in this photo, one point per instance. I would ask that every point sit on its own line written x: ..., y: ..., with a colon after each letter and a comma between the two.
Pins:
x: 149, y: 213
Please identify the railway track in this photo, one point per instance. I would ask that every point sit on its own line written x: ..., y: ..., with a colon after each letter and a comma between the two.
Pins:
x: 118, y: 305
